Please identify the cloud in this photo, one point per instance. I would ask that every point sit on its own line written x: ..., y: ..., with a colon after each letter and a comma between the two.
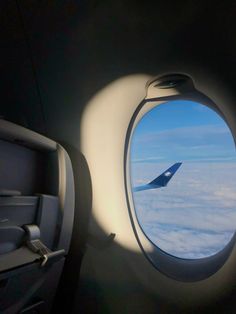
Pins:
x: 203, y: 142
x: 195, y: 216
x: 196, y: 132
x: 149, y: 159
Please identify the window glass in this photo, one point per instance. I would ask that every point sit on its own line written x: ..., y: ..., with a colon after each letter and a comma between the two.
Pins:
x: 187, y: 210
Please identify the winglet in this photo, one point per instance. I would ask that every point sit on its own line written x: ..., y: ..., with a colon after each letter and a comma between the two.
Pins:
x: 161, y: 180
x: 165, y: 177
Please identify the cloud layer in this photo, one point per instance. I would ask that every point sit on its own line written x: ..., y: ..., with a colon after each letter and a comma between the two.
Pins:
x: 195, y: 215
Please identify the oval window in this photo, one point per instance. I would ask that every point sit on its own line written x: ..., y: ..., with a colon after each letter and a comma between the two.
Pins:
x: 183, y: 178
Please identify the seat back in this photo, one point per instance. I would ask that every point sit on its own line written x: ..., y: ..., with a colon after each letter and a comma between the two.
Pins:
x: 36, y: 218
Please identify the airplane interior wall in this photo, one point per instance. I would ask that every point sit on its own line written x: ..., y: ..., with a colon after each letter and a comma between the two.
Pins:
x: 76, y: 71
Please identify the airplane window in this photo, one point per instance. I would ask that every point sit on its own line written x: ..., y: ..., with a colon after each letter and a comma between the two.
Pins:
x: 183, y: 179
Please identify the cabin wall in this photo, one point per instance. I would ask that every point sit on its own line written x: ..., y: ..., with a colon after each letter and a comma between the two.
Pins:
x: 59, y: 64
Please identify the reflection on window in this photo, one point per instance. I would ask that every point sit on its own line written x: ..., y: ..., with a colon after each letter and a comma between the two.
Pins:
x: 194, y: 215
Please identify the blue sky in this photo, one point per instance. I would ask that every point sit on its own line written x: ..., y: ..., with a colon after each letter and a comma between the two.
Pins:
x: 194, y: 216
x: 182, y: 131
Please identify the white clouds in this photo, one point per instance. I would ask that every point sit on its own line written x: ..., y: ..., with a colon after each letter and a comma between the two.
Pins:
x: 202, y: 142
x: 227, y: 192
x: 198, y: 133
x: 195, y: 216
x: 148, y: 159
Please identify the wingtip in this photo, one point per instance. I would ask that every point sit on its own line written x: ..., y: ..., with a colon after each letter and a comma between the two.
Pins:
x: 178, y: 163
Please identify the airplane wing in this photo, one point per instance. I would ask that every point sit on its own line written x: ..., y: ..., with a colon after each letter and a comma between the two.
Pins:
x: 161, y: 180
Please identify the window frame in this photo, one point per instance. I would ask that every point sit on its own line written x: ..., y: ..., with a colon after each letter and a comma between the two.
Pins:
x: 186, y: 270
